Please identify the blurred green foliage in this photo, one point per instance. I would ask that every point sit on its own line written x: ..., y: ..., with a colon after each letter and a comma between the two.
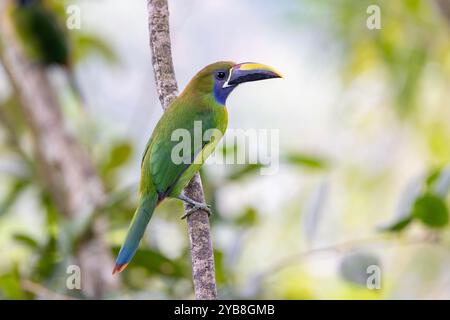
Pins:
x: 414, y: 38
x: 429, y: 205
x: 413, y: 34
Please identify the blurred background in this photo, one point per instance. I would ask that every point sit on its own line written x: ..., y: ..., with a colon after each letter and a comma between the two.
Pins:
x: 363, y: 117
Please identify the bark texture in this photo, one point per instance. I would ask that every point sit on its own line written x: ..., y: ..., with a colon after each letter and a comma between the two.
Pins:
x: 198, y: 223
x: 65, y: 167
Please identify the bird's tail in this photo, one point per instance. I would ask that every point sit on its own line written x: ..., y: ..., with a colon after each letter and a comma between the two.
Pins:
x: 136, y: 231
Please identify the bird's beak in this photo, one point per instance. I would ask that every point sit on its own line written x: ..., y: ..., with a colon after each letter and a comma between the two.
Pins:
x: 250, y: 71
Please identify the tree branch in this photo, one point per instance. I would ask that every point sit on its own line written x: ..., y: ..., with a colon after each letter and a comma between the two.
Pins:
x: 430, y: 238
x: 255, y: 284
x: 198, y: 223
x: 444, y: 6
x: 66, y: 168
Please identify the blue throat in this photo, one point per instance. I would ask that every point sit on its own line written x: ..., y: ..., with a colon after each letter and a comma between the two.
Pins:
x: 221, y: 94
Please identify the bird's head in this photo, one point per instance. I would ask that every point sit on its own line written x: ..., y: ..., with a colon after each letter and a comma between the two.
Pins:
x: 221, y: 78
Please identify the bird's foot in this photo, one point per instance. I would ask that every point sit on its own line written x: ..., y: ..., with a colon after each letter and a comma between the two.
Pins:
x: 195, y: 206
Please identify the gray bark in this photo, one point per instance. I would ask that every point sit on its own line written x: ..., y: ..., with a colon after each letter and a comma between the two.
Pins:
x: 444, y: 6
x: 65, y: 167
x: 202, y: 254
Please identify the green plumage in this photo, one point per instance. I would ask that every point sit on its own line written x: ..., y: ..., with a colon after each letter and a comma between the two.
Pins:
x: 160, y: 176
x: 158, y: 171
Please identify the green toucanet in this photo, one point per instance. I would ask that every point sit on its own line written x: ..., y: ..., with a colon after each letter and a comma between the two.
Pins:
x: 162, y: 175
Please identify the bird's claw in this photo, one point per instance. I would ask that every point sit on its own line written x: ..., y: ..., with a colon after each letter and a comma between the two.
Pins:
x: 196, y: 207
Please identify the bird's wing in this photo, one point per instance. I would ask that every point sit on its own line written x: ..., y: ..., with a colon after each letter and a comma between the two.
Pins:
x: 164, y: 170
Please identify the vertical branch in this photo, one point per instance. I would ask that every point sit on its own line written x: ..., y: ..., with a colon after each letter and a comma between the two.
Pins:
x: 202, y: 255
x: 66, y: 168
x: 444, y: 7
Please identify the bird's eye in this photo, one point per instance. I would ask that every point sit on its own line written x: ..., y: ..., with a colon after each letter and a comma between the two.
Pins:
x: 221, y: 75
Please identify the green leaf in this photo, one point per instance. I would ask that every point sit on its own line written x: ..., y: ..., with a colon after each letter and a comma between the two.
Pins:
x: 13, y: 194
x: 431, y: 210
x: 248, y: 218
x: 118, y: 156
x: 87, y: 44
x: 244, y: 171
x: 397, y: 225
x: 26, y: 240
x: 433, y: 176
x: 308, y: 161
x: 10, y: 287
x: 404, y: 212
x: 49, y: 260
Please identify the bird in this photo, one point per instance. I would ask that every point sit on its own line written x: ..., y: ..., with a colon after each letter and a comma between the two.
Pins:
x: 163, y: 175
x: 43, y: 38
